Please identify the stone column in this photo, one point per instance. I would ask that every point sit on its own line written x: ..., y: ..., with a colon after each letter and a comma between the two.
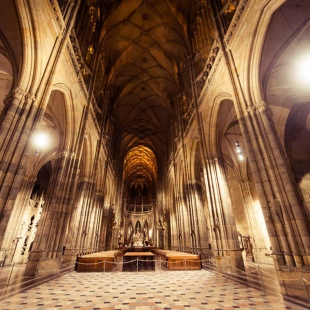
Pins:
x: 225, y: 238
x: 47, y: 247
x: 260, y: 246
x: 173, y: 229
x: 178, y: 223
x: 15, y: 223
x: 15, y: 104
x: 13, y: 155
x: 73, y: 242
x: 105, y: 227
x: 94, y: 221
x: 184, y: 226
x: 199, y: 219
x: 284, y: 212
x: 286, y: 217
x: 23, y: 111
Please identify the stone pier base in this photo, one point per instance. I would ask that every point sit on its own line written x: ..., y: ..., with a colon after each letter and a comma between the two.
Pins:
x: 295, y: 283
x: 37, y: 266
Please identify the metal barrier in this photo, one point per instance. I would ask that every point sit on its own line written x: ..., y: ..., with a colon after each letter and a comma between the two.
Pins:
x: 12, y: 281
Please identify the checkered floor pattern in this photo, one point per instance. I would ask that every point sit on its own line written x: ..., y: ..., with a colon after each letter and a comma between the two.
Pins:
x: 199, y: 289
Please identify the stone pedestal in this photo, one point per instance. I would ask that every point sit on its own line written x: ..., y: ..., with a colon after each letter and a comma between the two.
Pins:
x: 263, y: 256
x: 295, y: 283
x: 48, y: 267
x: 233, y: 258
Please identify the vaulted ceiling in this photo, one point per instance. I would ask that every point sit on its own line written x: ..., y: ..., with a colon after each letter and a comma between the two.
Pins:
x: 143, y: 43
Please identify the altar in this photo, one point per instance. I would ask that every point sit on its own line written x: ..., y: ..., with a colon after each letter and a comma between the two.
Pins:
x: 138, y: 261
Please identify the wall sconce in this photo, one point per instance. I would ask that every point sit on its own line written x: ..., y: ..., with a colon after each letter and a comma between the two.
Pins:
x: 239, y: 152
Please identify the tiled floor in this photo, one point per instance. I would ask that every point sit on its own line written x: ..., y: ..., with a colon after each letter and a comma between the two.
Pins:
x: 142, y: 291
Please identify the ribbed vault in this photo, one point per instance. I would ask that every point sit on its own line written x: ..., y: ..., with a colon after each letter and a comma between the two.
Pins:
x: 140, y: 167
x: 143, y: 42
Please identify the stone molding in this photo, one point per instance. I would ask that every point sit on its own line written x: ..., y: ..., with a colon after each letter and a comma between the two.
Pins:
x: 259, y: 107
x: 235, y: 21
x: 57, y: 13
x: 86, y: 179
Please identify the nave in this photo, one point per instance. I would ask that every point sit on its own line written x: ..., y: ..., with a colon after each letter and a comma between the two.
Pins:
x: 177, y: 124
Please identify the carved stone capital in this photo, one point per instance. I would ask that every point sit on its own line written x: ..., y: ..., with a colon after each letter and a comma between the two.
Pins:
x: 85, y: 179
x: 261, y: 106
x: 194, y: 182
x: 30, y: 98
x: 251, y: 110
x: 18, y: 93
x: 7, y: 99
x: 63, y: 153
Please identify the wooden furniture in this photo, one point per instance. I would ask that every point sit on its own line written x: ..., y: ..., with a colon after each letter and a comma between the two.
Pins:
x: 174, y: 260
x: 138, y: 261
x: 100, y: 261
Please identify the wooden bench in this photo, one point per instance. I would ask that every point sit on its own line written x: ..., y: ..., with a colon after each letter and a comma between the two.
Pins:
x: 100, y: 261
x: 174, y: 260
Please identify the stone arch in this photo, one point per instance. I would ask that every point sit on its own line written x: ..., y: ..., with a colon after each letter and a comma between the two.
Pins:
x: 99, y: 175
x: 146, y: 230
x: 213, y: 138
x: 108, y: 188
x: 42, y: 179
x: 6, y: 77
x: 183, y: 178
x: 53, y: 125
x: 286, y: 94
x: 246, y: 209
x: 16, y: 44
x: 194, y: 160
x: 283, y: 114
x: 297, y: 145
x: 252, y: 68
x: 130, y: 231
x: 61, y: 107
x: 86, y: 163
x: 229, y: 139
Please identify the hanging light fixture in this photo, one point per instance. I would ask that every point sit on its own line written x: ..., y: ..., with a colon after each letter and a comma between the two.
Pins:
x: 40, y: 141
x: 303, y: 70
x: 232, y: 127
x: 239, y: 152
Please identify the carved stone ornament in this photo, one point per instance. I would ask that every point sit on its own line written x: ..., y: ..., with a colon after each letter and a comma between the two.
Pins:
x: 7, y: 99
x: 18, y: 93
x: 57, y: 14
x: 63, y: 153
x: 259, y: 107
x: 30, y: 98
x: 234, y: 23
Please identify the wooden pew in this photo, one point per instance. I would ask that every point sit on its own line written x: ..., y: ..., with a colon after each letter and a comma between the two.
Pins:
x: 100, y: 261
x: 174, y: 260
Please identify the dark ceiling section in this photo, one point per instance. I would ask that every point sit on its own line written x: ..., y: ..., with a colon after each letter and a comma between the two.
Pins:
x: 144, y: 42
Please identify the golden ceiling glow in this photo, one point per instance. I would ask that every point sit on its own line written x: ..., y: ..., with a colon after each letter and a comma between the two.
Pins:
x: 140, y: 166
